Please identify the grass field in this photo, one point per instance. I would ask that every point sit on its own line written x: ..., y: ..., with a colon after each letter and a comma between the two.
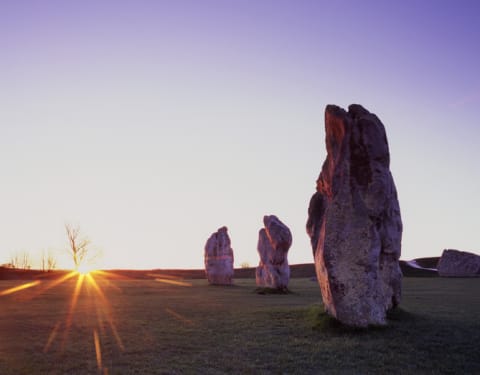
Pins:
x: 184, y: 327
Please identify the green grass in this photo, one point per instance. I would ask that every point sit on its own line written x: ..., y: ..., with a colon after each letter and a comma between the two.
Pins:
x: 200, y: 329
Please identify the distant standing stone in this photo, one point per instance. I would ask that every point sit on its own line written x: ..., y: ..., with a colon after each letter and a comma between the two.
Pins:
x: 354, y: 220
x: 455, y: 263
x: 219, y: 258
x: 274, y: 241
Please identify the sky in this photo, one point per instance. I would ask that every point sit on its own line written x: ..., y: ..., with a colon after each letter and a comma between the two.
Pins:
x: 150, y: 124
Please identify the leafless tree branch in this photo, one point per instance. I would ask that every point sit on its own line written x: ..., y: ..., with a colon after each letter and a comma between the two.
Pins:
x: 78, y: 246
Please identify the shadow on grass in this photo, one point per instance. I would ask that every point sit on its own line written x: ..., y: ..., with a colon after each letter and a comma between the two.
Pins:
x: 323, y: 322
x: 222, y: 285
x: 263, y: 291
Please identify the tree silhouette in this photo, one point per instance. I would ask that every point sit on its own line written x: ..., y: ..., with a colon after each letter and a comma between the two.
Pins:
x: 21, y: 261
x: 51, y: 262
x: 48, y: 261
x: 78, y: 246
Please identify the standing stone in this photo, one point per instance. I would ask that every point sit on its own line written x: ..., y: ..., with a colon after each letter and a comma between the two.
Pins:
x: 274, y: 241
x: 219, y: 258
x: 354, y: 220
x: 455, y: 263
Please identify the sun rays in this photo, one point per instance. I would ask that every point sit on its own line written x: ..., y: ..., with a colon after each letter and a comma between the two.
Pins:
x: 87, y: 292
x: 103, y: 309
x: 87, y: 287
x: 168, y: 279
x: 71, y: 310
x: 19, y: 288
x: 98, y: 349
x: 178, y: 316
x: 52, y: 337
x: 86, y: 313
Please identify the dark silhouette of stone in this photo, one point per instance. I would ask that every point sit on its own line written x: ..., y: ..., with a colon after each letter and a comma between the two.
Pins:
x: 455, y: 263
x: 354, y: 220
x: 219, y: 258
x: 274, y: 241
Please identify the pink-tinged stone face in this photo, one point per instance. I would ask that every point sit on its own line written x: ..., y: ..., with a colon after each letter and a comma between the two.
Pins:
x: 274, y: 241
x: 219, y: 258
x: 354, y: 220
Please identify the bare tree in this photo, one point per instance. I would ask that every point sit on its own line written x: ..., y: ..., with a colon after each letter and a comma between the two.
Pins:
x: 51, y: 262
x: 15, y: 261
x: 44, y: 261
x: 22, y: 261
x: 26, y: 261
x: 77, y: 246
x: 48, y: 261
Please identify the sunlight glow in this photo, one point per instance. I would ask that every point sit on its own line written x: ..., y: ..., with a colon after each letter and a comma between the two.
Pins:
x: 98, y: 350
x: 52, y: 336
x: 173, y: 282
x: 19, y: 288
x: 167, y: 279
x: 106, y: 309
x: 101, y: 308
x: 88, y: 298
x: 52, y: 284
x: 178, y: 316
x: 85, y: 269
x: 97, y: 289
x: 73, y: 304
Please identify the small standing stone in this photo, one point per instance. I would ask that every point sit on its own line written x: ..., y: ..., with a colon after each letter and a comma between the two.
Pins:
x: 219, y: 258
x: 274, y: 241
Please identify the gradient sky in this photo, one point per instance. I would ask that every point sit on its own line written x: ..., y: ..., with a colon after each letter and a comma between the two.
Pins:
x: 150, y: 124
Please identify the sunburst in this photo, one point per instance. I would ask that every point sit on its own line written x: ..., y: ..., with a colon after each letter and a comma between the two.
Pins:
x: 86, y: 281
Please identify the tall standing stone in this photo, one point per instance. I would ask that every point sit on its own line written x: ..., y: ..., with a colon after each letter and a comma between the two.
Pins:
x: 354, y: 220
x: 219, y: 258
x: 274, y: 241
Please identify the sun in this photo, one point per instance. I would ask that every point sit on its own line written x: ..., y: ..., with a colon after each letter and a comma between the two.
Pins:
x: 85, y: 269
x: 85, y: 281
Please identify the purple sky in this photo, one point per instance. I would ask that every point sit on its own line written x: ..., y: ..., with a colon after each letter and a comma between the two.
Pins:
x: 153, y: 123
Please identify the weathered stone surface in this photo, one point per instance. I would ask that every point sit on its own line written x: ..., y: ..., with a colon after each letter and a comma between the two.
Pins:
x: 274, y: 241
x: 219, y: 258
x: 354, y: 220
x: 455, y: 263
